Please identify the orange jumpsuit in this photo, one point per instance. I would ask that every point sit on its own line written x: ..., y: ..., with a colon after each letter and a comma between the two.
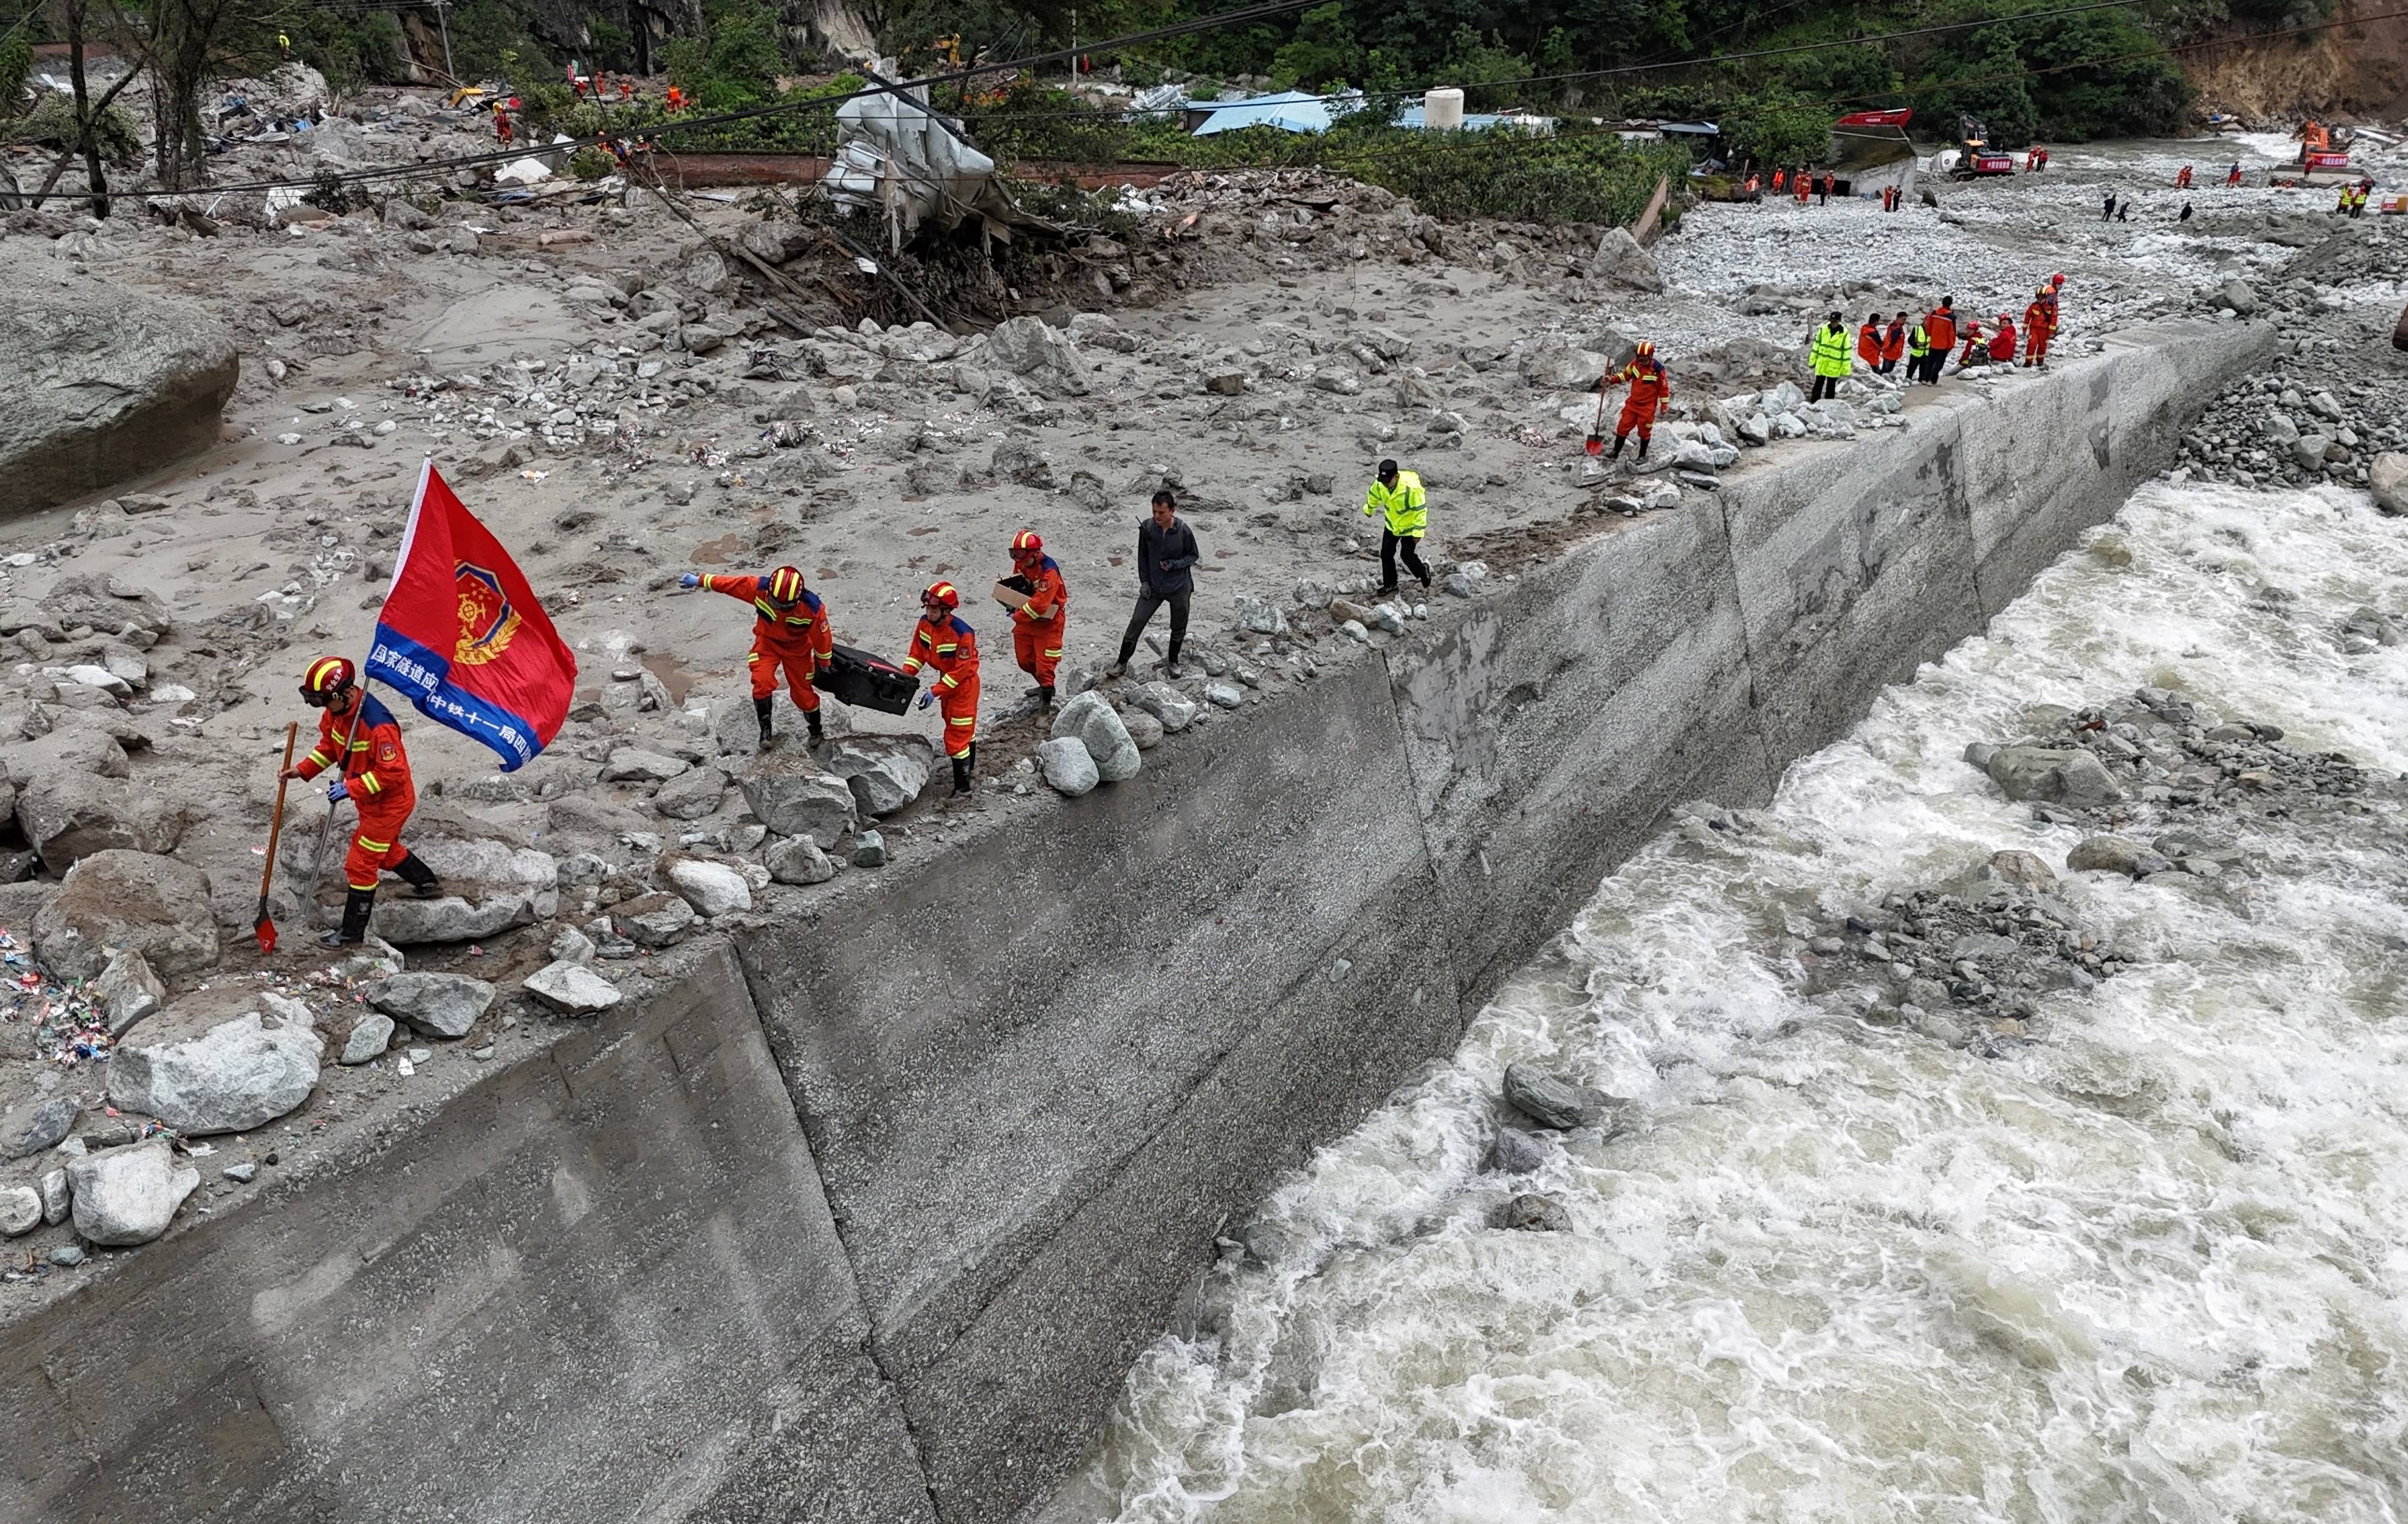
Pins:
x: 1780, y: 181
x: 1649, y: 389
x: 2038, y: 322
x: 1894, y: 345
x: 1869, y: 345
x: 2181, y: 181
x: 794, y: 640
x: 1971, y: 334
x: 377, y: 773
x: 1037, y: 639
x: 951, y: 651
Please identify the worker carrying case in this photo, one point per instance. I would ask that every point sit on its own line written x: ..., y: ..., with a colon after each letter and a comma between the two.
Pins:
x: 866, y: 681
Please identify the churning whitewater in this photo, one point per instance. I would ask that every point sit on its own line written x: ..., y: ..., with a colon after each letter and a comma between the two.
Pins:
x: 2142, y: 1257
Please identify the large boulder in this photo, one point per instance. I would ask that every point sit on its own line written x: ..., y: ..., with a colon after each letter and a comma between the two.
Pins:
x: 105, y: 382
x: 2388, y: 479
x: 128, y: 1195
x: 230, y: 1077
x: 1620, y: 261
x: 711, y: 888
x: 1554, y: 364
x: 490, y: 887
x: 797, y: 859
x: 795, y: 798
x: 69, y: 815
x: 572, y: 989
x: 1043, y: 356
x: 438, y: 1004
x: 1092, y: 722
x: 154, y: 906
x: 884, y: 772
x: 1553, y: 1101
x: 1066, y: 765
x: 2049, y: 774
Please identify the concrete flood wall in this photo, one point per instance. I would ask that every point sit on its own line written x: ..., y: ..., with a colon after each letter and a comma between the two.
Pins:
x: 865, y: 1217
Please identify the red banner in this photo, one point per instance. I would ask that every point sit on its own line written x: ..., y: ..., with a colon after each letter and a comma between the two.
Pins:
x: 1896, y: 117
x: 461, y: 635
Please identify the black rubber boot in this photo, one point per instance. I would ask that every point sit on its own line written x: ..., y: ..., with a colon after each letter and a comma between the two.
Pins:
x: 811, y: 718
x: 357, y: 903
x: 764, y: 709
x: 421, y: 878
x: 1045, y: 695
x: 961, y: 776
x: 1619, y: 440
x: 1643, y: 447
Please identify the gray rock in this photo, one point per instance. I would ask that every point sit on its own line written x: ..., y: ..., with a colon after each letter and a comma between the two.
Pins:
x: 1223, y: 695
x: 1976, y: 945
x: 371, y: 1034
x: 119, y: 899
x: 797, y: 859
x: 1066, y: 764
x: 1553, y: 1102
x: 2308, y: 452
x: 690, y: 795
x: 1175, y: 710
x: 493, y: 887
x: 2237, y: 296
x: 572, y: 989
x: 633, y: 764
x: 1620, y: 261
x: 2023, y: 870
x: 36, y: 1125
x: 20, y: 1211
x: 1532, y: 1213
x: 1142, y: 727
x: 56, y: 1200
x: 241, y: 1174
x: 2048, y: 774
x: 2114, y: 855
x: 125, y: 1196
x: 232, y: 1077
x: 127, y: 990
x: 793, y: 802
x: 869, y: 850
x: 572, y: 946
x: 653, y: 920
x: 711, y: 888
x: 105, y: 382
x: 885, y: 772
x: 1043, y: 356
x: 438, y: 1004
x: 2388, y: 479
x: 1091, y: 721
x: 1514, y: 1150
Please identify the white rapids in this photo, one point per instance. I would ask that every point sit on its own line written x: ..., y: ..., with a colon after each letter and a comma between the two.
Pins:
x: 2151, y: 1264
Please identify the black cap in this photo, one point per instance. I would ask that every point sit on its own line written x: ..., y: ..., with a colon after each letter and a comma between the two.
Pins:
x: 1387, y: 467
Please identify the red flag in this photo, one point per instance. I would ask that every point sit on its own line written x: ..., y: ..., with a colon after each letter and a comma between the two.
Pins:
x: 461, y: 635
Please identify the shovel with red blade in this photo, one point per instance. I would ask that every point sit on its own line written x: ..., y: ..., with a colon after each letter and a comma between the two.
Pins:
x: 1595, y: 444
x: 265, y: 929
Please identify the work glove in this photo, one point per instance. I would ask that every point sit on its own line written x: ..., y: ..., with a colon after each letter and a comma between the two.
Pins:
x: 689, y: 580
x: 928, y: 697
x: 337, y: 792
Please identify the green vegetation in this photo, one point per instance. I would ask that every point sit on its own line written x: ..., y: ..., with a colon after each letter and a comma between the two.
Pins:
x: 52, y: 124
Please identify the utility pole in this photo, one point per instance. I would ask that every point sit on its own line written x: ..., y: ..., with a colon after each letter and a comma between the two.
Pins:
x: 1074, y: 46
x: 442, y: 22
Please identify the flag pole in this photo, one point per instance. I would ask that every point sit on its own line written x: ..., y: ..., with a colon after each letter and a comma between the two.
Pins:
x: 343, y: 761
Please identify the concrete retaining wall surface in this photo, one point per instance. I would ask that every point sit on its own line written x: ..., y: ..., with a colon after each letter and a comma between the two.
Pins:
x: 1025, y: 1079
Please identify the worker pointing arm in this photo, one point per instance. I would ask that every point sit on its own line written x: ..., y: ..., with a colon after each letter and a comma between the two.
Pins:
x: 944, y: 644
x: 791, y: 634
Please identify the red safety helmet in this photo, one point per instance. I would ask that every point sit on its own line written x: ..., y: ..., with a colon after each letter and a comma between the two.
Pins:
x: 2057, y: 280
x: 327, y: 679
x: 1025, y: 545
x: 944, y: 593
x: 784, y: 586
x: 1646, y: 348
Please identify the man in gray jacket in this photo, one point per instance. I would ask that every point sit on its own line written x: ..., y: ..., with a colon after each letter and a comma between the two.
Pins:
x: 1165, y: 558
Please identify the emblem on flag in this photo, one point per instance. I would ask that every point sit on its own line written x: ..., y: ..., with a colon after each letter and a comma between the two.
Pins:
x: 487, y: 621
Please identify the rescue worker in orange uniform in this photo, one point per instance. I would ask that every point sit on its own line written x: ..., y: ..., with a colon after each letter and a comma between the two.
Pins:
x: 790, y: 635
x: 2002, y: 343
x: 1868, y: 342
x: 945, y: 644
x: 1894, y: 344
x: 1780, y: 181
x: 374, y: 775
x: 1941, y: 324
x: 676, y: 102
x: 1970, y: 331
x: 2181, y: 181
x: 1040, y: 620
x: 1650, y: 389
x: 2036, y: 330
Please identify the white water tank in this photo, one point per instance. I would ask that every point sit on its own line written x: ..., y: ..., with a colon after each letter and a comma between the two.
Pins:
x: 1443, y: 109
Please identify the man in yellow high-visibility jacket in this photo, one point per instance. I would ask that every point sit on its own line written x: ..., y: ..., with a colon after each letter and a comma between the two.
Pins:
x: 1403, y: 508
x: 1830, y: 358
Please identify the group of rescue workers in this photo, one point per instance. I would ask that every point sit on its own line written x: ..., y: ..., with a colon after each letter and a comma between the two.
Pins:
x: 794, y: 639
x: 1924, y: 345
